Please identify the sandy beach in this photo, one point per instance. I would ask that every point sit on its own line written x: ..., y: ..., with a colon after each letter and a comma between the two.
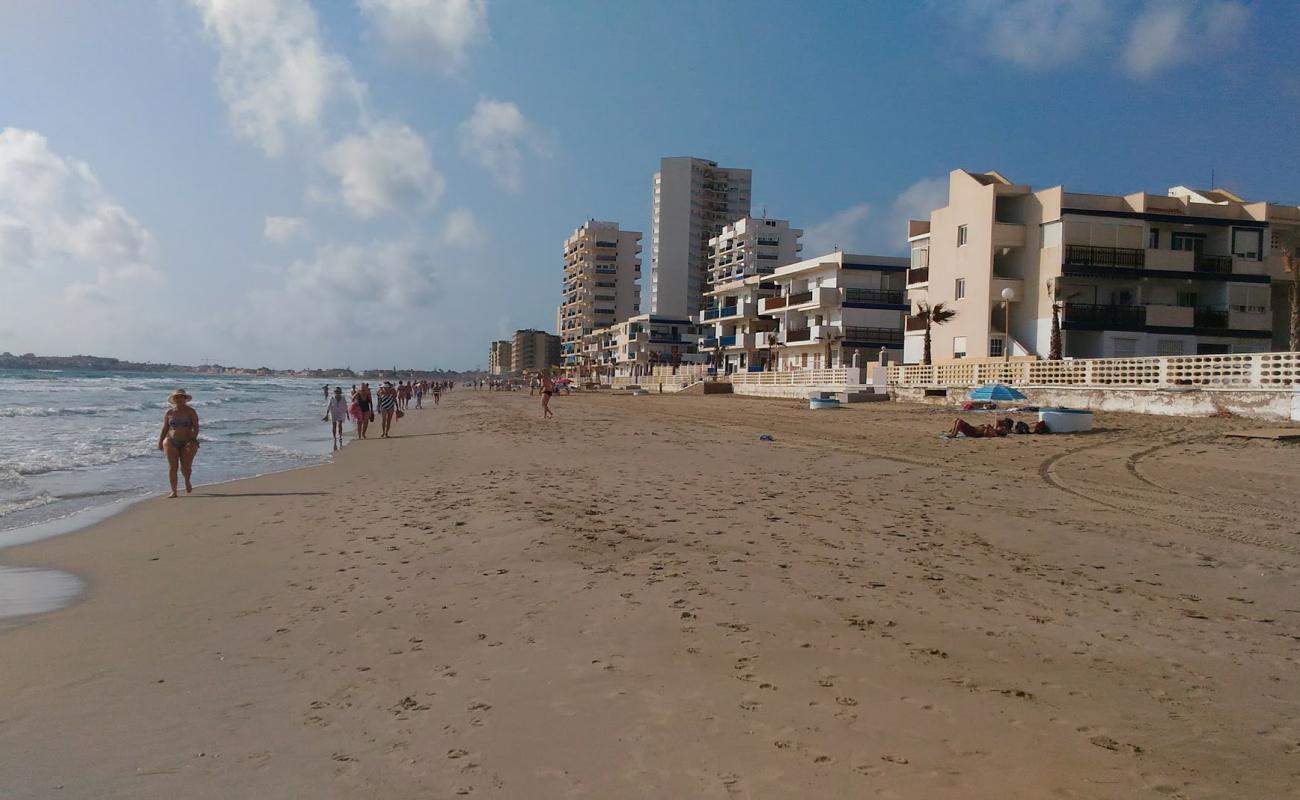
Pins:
x: 641, y: 599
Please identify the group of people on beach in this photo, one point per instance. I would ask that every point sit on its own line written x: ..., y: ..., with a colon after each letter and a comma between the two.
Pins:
x: 179, y: 437
x: 390, y: 401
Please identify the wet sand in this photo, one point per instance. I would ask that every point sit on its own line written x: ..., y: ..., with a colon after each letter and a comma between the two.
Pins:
x: 641, y: 599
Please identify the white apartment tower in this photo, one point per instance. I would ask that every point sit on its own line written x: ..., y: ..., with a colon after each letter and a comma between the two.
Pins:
x: 693, y: 200
x: 749, y: 247
x: 602, y: 270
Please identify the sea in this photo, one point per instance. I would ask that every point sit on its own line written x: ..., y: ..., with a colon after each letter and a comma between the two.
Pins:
x: 75, y: 441
x: 77, y: 446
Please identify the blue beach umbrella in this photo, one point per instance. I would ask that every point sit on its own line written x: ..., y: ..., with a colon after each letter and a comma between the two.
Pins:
x: 996, y: 391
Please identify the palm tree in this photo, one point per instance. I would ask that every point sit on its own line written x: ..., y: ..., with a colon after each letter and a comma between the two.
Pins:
x: 831, y: 342
x: 1059, y: 299
x: 1289, y: 262
x: 931, y: 315
x: 773, y: 342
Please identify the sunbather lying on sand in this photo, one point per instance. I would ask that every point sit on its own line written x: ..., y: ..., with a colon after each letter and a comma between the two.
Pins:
x: 1001, y: 428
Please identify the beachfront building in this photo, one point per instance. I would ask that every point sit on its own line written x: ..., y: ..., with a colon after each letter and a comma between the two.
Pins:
x: 499, y: 361
x: 635, y: 345
x: 832, y: 308
x: 1194, y: 271
x: 602, y: 271
x: 749, y: 247
x: 734, y: 336
x: 532, y: 350
x: 693, y: 200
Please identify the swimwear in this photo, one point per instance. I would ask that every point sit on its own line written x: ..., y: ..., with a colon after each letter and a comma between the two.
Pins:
x: 387, y: 403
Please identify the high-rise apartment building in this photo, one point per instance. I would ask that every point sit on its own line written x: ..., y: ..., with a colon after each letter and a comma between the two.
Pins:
x: 499, y: 362
x: 602, y: 270
x: 693, y: 200
x: 532, y: 350
x: 1194, y: 271
x: 749, y: 247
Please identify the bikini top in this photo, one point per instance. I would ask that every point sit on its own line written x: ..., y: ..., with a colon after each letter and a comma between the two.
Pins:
x: 181, y: 422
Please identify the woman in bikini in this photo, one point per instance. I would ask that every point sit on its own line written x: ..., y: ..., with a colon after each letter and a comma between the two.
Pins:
x: 364, y: 403
x: 179, y: 438
x: 548, y: 391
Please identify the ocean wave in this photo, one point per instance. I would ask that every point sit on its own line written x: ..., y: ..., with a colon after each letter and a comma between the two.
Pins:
x: 25, y: 504
x: 76, y: 411
x: 41, y: 463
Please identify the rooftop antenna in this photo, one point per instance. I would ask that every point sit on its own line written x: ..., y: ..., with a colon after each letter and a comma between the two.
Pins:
x: 1212, y: 183
x: 765, y: 211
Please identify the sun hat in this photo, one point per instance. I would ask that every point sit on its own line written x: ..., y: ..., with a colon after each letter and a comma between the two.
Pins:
x: 178, y: 393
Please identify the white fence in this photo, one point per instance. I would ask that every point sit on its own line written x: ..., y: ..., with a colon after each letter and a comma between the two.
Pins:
x: 1248, y: 371
x: 791, y: 377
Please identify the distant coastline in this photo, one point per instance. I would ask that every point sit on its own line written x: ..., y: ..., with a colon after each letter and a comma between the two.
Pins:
x: 105, y: 364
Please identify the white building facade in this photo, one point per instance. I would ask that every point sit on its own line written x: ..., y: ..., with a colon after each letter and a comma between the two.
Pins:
x: 749, y: 247
x: 834, y: 308
x: 693, y: 200
x: 602, y: 271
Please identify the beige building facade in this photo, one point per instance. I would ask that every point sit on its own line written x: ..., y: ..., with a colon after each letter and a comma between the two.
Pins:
x: 693, y: 200
x: 602, y: 273
x: 499, y: 360
x: 1184, y: 273
x: 532, y: 350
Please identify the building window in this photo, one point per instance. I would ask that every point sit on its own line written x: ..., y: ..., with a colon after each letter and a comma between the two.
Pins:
x: 1247, y: 243
x: 959, y: 291
x: 1169, y: 347
x: 961, y: 235
x: 995, y: 347
x: 959, y: 347
x: 1153, y: 239
x: 1187, y: 241
x: 1187, y: 299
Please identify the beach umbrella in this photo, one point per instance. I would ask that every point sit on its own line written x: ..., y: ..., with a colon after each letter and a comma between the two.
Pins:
x: 996, y: 391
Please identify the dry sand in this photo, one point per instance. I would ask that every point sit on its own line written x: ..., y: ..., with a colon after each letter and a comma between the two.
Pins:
x: 639, y: 599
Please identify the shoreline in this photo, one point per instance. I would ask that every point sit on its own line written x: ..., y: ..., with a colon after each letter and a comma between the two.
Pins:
x: 856, y: 607
x: 52, y: 591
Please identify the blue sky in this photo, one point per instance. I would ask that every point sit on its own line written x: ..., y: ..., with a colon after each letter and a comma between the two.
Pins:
x: 421, y: 161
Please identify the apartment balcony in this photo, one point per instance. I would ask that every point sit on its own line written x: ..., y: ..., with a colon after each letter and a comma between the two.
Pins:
x: 887, y: 297
x: 1079, y: 255
x: 1211, y: 317
x: 913, y: 325
x: 1105, y: 317
x: 804, y: 298
x: 1170, y: 316
x: 1219, y: 265
x: 1008, y: 234
x: 798, y: 335
x: 707, y: 342
x: 918, y: 276
x: 728, y: 341
x: 1249, y: 318
x: 721, y: 312
x: 892, y: 337
x: 769, y: 304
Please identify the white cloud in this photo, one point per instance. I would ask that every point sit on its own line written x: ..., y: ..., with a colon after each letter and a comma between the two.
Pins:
x: 845, y: 229
x: 388, y: 167
x: 284, y: 229
x: 274, y: 73
x: 493, y: 136
x: 1167, y: 34
x: 858, y: 229
x: 396, y: 275
x: 435, y: 32
x: 55, y: 217
x: 462, y: 230
x: 1036, y: 34
x: 73, y: 262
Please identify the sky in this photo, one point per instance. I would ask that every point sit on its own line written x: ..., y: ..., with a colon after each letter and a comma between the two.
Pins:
x: 370, y: 183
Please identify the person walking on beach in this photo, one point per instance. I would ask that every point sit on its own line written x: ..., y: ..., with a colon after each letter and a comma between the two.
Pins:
x: 337, y: 413
x: 365, y: 403
x: 179, y: 438
x: 548, y: 390
x: 326, y: 389
x: 387, y: 407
